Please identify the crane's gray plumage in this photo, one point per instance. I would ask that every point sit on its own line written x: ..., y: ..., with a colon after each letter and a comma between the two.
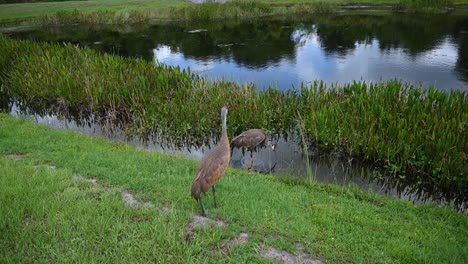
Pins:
x: 250, y: 138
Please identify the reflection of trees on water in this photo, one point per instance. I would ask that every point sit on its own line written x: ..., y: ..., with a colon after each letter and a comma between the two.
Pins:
x: 263, y: 42
x: 414, y: 34
x: 461, y: 33
x: 253, y: 45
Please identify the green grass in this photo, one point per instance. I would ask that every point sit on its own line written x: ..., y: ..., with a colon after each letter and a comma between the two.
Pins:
x: 416, y: 135
x: 47, y: 216
x: 13, y: 12
x: 424, y: 6
x: 120, y: 11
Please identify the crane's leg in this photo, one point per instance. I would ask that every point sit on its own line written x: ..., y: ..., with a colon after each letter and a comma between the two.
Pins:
x: 251, y: 159
x: 202, y: 208
x: 214, y: 195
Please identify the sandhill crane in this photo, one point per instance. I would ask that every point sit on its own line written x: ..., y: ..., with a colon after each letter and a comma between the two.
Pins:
x: 251, y: 139
x: 213, y: 165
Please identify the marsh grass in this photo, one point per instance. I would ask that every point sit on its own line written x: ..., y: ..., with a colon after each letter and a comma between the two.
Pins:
x: 99, y: 17
x: 144, y: 11
x: 322, y: 7
x: 424, y: 6
x: 230, y: 9
x: 46, y: 215
x: 417, y: 135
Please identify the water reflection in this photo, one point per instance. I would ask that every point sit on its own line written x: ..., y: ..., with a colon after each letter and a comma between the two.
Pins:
x: 285, y: 52
x: 287, y: 159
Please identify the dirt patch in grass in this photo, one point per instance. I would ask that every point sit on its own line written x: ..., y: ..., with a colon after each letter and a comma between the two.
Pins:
x: 127, y: 197
x: 15, y: 156
x: 50, y: 167
x: 167, y: 209
x: 283, y: 256
x: 239, y: 239
x: 130, y: 199
x: 199, y: 222
x: 83, y: 179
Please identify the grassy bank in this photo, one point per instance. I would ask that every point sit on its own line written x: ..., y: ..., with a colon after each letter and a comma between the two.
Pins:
x: 28, y: 11
x: 119, y: 11
x: 52, y: 212
x: 417, y: 135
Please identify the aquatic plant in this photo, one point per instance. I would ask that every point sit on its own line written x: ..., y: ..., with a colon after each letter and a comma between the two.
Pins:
x: 420, y: 135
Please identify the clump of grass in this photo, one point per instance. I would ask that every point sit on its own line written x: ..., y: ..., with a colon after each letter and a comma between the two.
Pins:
x: 75, y: 17
x: 206, y: 11
x: 99, y: 17
x: 314, y: 7
x: 230, y: 9
x: 324, y: 7
x: 418, y: 135
x: 423, y: 6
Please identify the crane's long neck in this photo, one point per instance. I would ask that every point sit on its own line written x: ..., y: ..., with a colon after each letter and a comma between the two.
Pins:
x: 224, y: 117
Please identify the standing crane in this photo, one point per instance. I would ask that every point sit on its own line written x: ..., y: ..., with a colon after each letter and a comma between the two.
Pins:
x: 213, y: 166
x: 251, y: 139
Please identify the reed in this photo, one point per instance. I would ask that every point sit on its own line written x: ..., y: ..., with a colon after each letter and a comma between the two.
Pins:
x: 305, y: 148
x: 416, y: 134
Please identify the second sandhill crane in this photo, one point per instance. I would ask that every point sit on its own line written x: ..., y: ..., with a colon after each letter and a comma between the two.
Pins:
x: 212, y: 166
x: 251, y: 139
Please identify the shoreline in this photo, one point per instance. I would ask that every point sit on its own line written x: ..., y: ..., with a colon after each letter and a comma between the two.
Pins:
x: 188, y: 12
x: 58, y: 185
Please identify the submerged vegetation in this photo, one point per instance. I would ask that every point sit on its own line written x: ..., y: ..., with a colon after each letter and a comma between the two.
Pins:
x: 60, y: 196
x: 420, y: 135
x: 120, y: 12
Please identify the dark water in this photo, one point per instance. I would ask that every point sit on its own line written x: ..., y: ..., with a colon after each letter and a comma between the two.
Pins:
x: 432, y: 50
x: 288, y: 158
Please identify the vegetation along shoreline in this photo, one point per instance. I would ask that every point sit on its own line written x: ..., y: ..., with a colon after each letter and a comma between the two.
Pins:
x: 414, y: 134
x: 144, y: 11
x: 67, y: 197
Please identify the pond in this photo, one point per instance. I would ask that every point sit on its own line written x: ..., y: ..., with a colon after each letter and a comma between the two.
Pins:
x: 284, y: 52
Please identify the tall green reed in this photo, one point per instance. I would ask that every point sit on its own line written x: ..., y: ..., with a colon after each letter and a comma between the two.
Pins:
x: 305, y: 148
x: 414, y: 133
